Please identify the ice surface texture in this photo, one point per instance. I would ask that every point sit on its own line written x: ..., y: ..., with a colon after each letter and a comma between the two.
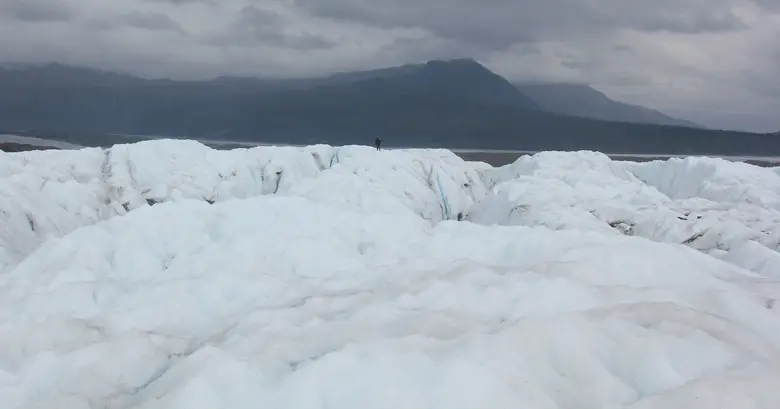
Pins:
x: 167, y: 275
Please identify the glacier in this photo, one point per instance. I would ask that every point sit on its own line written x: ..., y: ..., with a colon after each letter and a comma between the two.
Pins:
x: 166, y: 274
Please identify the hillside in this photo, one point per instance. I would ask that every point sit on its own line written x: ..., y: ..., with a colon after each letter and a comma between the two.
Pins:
x: 584, y: 101
x: 454, y: 104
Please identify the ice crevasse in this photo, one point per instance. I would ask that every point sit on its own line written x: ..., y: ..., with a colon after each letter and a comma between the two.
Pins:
x: 166, y: 275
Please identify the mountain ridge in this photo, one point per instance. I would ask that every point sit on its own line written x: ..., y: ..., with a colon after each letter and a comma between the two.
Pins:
x: 538, y: 95
x: 583, y: 100
x: 440, y: 103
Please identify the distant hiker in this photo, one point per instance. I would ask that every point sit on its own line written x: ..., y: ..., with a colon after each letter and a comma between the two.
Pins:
x: 377, y: 143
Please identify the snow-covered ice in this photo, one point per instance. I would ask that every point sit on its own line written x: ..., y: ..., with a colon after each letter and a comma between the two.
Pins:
x: 165, y: 275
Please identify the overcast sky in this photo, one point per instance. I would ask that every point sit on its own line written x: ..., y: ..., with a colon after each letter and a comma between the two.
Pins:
x: 712, y: 61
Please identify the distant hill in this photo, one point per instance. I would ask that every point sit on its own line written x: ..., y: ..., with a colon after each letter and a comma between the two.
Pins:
x: 58, y: 75
x: 452, y: 104
x: 584, y: 101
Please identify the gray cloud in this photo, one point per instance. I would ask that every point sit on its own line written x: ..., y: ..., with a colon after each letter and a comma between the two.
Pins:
x: 497, y: 24
x: 629, y: 80
x: 574, y: 64
x: 500, y: 23
x: 694, y: 24
x: 769, y: 5
x: 688, y: 55
x: 180, y: 2
x: 37, y: 10
x: 150, y: 21
x: 257, y: 26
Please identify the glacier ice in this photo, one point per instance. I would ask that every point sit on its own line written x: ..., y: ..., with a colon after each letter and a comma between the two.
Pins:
x: 165, y: 274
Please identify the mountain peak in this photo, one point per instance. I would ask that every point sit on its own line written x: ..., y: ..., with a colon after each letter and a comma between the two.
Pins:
x: 462, y: 78
x: 460, y: 64
x: 455, y: 62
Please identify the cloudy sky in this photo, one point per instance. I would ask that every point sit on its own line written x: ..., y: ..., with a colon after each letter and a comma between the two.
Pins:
x: 712, y: 61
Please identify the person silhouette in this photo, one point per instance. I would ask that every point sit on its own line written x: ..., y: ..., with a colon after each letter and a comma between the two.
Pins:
x: 377, y: 143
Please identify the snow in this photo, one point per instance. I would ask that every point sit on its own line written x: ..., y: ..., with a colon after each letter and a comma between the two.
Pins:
x: 713, y: 204
x: 165, y: 275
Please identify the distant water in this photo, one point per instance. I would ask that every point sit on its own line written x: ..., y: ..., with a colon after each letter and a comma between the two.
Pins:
x: 497, y: 157
x: 39, y: 142
x: 494, y: 157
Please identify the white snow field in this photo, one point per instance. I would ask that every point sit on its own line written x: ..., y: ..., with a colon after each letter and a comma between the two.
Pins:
x: 167, y: 275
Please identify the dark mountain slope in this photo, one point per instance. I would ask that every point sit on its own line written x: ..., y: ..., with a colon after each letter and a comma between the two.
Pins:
x: 454, y: 104
x: 463, y: 79
x: 584, y: 101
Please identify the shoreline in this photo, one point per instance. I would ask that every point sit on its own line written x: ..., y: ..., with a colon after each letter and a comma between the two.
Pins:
x: 493, y: 157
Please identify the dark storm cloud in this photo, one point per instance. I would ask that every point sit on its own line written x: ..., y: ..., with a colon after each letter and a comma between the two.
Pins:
x: 500, y: 23
x: 37, y: 10
x: 255, y: 26
x: 150, y: 21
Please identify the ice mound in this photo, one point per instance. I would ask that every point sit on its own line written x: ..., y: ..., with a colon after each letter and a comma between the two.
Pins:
x: 51, y: 193
x: 587, y: 191
x: 195, y: 279
x: 714, y: 179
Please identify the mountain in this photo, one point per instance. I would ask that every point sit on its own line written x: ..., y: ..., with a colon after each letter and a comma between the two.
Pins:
x: 463, y: 79
x: 58, y: 75
x: 452, y: 104
x: 584, y: 101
